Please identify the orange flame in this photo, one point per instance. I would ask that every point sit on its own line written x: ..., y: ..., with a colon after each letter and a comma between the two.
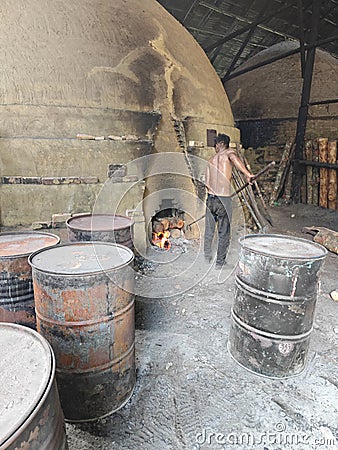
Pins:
x: 161, y: 239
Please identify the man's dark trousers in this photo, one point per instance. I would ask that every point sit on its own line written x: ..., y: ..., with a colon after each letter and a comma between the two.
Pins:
x: 218, y: 210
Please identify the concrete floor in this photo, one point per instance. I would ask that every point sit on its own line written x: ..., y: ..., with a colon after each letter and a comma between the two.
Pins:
x: 191, y: 394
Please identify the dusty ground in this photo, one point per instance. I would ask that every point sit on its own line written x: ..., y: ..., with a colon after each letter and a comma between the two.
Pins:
x: 190, y: 394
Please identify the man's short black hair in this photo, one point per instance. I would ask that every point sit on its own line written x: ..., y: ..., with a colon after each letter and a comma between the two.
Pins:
x: 222, y: 138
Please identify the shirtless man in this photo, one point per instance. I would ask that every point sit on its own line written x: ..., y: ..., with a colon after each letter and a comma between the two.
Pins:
x: 218, y: 204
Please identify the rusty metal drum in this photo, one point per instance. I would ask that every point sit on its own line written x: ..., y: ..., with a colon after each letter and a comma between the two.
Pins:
x: 276, y: 287
x: 85, y: 309
x: 16, y: 286
x: 101, y: 227
x: 31, y: 415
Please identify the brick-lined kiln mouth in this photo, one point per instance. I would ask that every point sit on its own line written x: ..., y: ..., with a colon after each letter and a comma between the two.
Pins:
x: 167, y: 224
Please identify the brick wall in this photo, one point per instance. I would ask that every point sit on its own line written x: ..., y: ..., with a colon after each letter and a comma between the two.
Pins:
x: 275, y: 132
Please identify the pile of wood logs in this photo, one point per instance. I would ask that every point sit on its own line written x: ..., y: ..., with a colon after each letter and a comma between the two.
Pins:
x: 172, y: 224
x: 320, y: 184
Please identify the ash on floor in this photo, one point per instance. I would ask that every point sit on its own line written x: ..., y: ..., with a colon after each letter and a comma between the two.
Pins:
x: 190, y: 393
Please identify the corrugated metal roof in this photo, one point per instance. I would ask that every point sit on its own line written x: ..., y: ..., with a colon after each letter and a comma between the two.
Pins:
x: 266, y: 22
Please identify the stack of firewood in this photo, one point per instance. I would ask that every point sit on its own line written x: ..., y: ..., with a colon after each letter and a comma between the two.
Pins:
x: 320, y: 184
x: 172, y: 224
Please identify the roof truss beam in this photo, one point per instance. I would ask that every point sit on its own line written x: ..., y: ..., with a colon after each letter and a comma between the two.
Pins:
x: 282, y: 56
x: 249, y: 25
x: 246, y: 41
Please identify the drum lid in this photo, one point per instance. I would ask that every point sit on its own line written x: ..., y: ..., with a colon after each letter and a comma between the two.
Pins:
x: 99, y: 222
x: 24, y: 243
x: 81, y: 258
x: 26, y: 364
x: 282, y: 246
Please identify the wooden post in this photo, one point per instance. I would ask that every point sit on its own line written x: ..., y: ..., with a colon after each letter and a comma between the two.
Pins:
x: 288, y: 175
x: 323, y: 182
x: 309, y: 185
x: 332, y: 186
x: 279, y: 177
x: 315, y: 173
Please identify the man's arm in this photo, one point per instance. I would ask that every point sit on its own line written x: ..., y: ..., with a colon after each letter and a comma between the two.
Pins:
x: 238, y: 163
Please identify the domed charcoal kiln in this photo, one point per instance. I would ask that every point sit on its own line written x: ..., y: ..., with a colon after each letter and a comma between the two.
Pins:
x: 88, y: 85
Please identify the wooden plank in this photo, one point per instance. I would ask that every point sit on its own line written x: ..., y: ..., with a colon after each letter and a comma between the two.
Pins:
x: 323, y: 182
x: 309, y: 184
x: 259, y: 192
x: 324, y: 236
x: 251, y: 199
x: 332, y: 178
x: 315, y: 174
x: 236, y: 174
x: 286, y: 181
x: 302, y: 188
x: 280, y: 173
x: 283, y: 185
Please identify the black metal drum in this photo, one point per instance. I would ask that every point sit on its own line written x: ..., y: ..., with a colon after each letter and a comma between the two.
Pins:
x: 275, y: 298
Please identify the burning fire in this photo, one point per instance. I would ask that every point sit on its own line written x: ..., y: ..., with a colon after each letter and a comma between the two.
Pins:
x: 162, y: 239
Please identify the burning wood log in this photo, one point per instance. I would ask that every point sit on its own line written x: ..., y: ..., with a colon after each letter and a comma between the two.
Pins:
x: 323, y: 183
x: 161, y: 240
x: 332, y: 185
x: 324, y: 236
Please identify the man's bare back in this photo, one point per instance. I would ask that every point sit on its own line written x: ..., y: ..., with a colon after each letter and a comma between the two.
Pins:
x: 218, y: 202
x: 219, y: 171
